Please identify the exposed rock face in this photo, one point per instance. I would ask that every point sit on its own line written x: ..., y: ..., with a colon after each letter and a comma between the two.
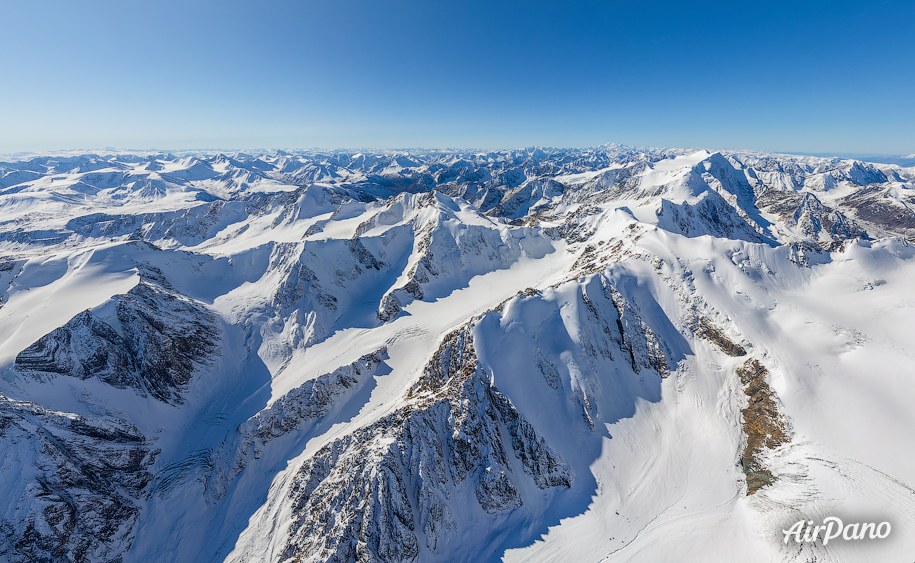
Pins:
x: 149, y: 339
x: 295, y: 413
x: 446, y: 251
x: 814, y: 221
x: 880, y: 207
x: 80, y: 483
x: 187, y: 226
x: 806, y: 253
x: 714, y: 334
x: 314, y: 284
x: 388, y: 491
x: 310, y: 401
x: 710, y: 215
x: 527, y: 198
x: 637, y: 340
x: 764, y: 426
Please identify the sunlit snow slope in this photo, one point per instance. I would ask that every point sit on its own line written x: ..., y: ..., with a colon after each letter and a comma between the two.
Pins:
x: 611, y: 354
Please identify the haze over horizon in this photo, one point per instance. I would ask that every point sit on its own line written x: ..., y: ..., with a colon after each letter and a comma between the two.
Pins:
x: 901, y: 159
x: 826, y: 78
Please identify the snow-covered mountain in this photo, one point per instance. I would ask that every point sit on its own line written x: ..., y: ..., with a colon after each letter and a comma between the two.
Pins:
x: 545, y: 355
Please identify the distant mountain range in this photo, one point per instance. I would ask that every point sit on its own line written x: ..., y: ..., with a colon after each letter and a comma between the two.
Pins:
x: 901, y: 160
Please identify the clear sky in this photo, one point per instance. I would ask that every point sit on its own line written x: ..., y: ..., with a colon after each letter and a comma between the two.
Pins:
x: 804, y: 75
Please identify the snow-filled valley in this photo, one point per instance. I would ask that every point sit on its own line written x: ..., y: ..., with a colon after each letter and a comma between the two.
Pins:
x: 607, y: 354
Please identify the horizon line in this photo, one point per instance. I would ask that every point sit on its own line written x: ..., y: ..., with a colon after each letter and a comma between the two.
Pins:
x: 853, y: 155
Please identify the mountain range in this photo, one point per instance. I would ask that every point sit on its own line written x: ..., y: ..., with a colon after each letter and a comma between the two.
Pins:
x: 604, y: 354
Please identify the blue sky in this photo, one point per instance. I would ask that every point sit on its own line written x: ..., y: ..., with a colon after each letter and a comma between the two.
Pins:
x: 802, y: 75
